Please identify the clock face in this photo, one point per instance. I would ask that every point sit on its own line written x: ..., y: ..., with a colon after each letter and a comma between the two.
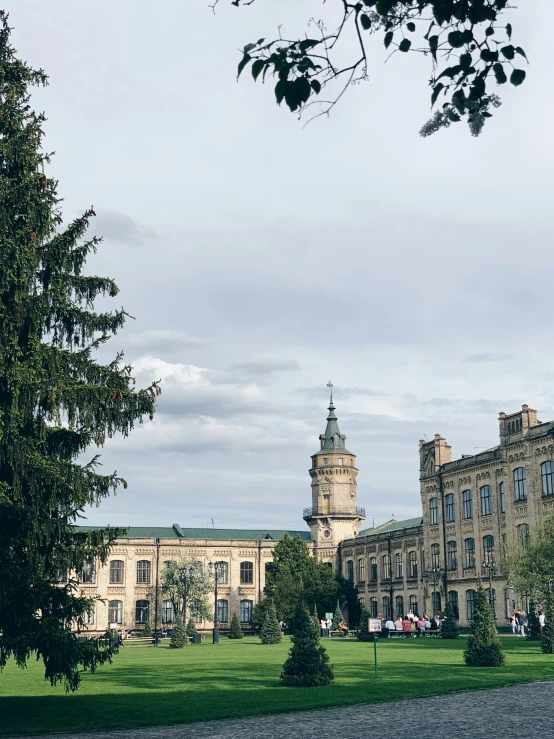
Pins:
x: 326, y: 533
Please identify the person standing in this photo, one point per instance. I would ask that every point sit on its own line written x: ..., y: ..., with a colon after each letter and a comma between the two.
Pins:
x: 514, y: 623
x: 542, y: 620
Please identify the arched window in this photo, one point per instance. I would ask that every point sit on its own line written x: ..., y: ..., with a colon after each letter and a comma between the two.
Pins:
x: 399, y: 612
x: 399, y: 565
x: 413, y: 564
x: 520, y: 483
x: 435, y: 555
x: 470, y: 603
x: 387, y: 570
x: 246, y: 573
x: 350, y: 570
x: 88, y: 574
x: 116, y: 571
x: 467, y: 500
x: 433, y: 511
x: 453, y: 600
x: 469, y: 551
x: 451, y: 548
x: 413, y: 605
x: 386, y: 608
x: 143, y: 573
x: 246, y: 611
x: 436, y: 598
x: 523, y: 534
x: 223, y: 611
x: 373, y: 569
x: 450, y: 508
x: 168, y: 612
x: 361, y: 569
x: 486, y: 500
x: 222, y: 569
x: 115, y: 612
x: 142, y: 612
x: 547, y: 478
x: 488, y: 547
x: 373, y: 607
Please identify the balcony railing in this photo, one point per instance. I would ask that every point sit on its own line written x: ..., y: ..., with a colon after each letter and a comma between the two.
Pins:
x: 332, y: 511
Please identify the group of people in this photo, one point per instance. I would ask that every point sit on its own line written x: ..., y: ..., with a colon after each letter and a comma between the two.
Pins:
x: 519, y: 622
x: 413, y: 625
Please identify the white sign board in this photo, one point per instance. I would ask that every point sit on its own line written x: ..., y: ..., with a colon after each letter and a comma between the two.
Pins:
x: 374, y: 624
x: 113, y: 626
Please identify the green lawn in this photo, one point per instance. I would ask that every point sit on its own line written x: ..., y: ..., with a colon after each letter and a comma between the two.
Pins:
x: 241, y: 678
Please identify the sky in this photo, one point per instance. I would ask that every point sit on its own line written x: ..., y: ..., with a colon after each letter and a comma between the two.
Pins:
x: 261, y: 258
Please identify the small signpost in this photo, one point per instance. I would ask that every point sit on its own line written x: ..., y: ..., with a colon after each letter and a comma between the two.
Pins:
x: 374, y: 625
x: 329, y: 617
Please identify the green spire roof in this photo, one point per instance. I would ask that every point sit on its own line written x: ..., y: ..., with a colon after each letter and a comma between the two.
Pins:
x: 332, y: 440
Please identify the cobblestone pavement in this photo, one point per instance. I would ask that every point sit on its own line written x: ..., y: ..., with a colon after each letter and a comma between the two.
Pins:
x: 518, y: 711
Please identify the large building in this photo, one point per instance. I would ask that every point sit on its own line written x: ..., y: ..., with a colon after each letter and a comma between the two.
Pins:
x: 471, y: 508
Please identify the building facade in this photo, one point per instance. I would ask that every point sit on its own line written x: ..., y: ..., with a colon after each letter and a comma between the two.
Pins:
x: 472, y: 509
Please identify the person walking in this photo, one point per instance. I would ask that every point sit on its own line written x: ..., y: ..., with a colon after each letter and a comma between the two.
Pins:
x: 514, y: 623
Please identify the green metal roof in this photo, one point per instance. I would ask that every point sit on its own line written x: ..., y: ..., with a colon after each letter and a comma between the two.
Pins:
x: 393, y: 526
x: 140, y: 532
x: 176, y: 532
x: 332, y: 441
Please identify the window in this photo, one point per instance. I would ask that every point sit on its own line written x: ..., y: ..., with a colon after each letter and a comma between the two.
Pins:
x: 413, y: 604
x: 223, y: 611
x: 88, y: 616
x: 399, y: 606
x: 325, y: 460
x: 373, y: 607
x: 467, y: 499
x: 223, y: 572
x: 470, y: 603
x: 491, y: 596
x: 373, y: 568
x: 433, y: 511
x: 399, y: 565
x: 469, y: 548
x: 246, y: 573
x: 413, y: 564
x: 387, y: 569
x: 435, y: 555
x: 450, y: 508
x: 196, y: 616
x: 488, y: 547
x: 245, y: 611
x: 502, y: 495
x: 523, y: 534
x: 386, y: 607
x: 486, y: 500
x: 350, y: 570
x: 341, y: 461
x: 453, y: 600
x: 436, y: 602
x: 451, y: 555
x: 143, y: 573
x: 116, y: 571
x: 361, y: 570
x: 61, y: 575
x: 88, y: 575
x: 167, y: 563
x: 547, y: 478
x: 115, y: 612
x: 361, y: 601
x: 168, y: 612
x: 520, y: 483
x: 142, y: 611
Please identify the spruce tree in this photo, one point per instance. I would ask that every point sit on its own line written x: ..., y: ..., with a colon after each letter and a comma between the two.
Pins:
x: 191, y: 627
x: 337, y: 618
x: 178, y: 635
x: 235, y: 630
x: 308, y: 662
x: 55, y: 399
x: 147, y: 631
x: 533, y: 624
x: 483, y: 644
x: 547, y: 636
x: 271, y: 631
x: 364, y: 633
x: 449, y: 626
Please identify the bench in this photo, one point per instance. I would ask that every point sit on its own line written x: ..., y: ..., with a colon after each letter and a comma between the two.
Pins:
x: 341, y: 634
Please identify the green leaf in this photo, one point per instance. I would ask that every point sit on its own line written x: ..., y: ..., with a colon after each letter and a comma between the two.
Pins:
x: 316, y: 86
x: 509, y: 31
x: 499, y: 73
x: 388, y: 39
x: 308, y: 43
x: 257, y: 67
x: 260, y: 41
x: 520, y: 51
x: 365, y: 20
x: 411, y: 27
x: 280, y: 89
x: 517, y: 77
x: 489, y: 31
x: 248, y: 48
x: 508, y: 51
x: 433, y: 44
x: 436, y: 91
x: 456, y: 39
x: 243, y: 62
x: 405, y: 44
x: 465, y: 61
x: 489, y: 56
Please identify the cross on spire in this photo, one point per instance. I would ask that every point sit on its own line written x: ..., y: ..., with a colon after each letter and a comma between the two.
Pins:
x: 330, y: 386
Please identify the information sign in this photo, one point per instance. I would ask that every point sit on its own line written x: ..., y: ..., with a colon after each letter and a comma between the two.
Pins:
x: 329, y: 616
x: 374, y: 624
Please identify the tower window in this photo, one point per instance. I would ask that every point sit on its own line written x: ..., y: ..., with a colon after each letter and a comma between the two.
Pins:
x: 340, y: 461
x: 325, y: 460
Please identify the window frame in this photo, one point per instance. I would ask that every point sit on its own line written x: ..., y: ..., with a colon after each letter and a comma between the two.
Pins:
x: 520, y: 484
x: 435, y: 555
x: 245, y: 608
x: 143, y: 610
x: 373, y: 607
x: 246, y: 572
x: 399, y: 606
x: 118, y: 612
x: 488, y: 547
x: 485, y: 495
x: 469, y: 554
x: 387, y: 567
x: 450, y: 508
x: 399, y: 564
x: 386, y: 607
x: 144, y: 571
x: 222, y: 608
x: 373, y: 569
x: 120, y: 571
x: 547, y: 478
x: 350, y: 570
x: 412, y: 558
x: 433, y: 511
x: 470, y: 603
x: 467, y: 502
x: 502, y: 496
x: 452, y: 555
x: 361, y: 569
x: 168, y: 611
x: 88, y: 573
x: 453, y: 600
x: 223, y: 577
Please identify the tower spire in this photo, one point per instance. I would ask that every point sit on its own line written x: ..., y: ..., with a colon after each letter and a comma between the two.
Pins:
x: 330, y: 386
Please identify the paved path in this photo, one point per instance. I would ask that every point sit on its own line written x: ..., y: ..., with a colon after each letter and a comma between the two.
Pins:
x: 515, y: 712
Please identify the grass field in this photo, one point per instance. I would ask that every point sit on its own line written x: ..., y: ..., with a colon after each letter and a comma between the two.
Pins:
x: 241, y: 678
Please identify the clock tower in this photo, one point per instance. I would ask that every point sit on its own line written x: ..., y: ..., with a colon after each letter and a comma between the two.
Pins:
x: 333, y: 515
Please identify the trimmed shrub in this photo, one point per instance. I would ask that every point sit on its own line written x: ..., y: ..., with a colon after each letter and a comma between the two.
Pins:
x: 178, y: 635
x: 547, y: 636
x: 533, y: 624
x: 147, y: 631
x: 191, y: 627
x: 337, y: 618
x: 449, y: 626
x: 483, y: 644
x: 308, y: 662
x: 363, y: 628
x: 235, y: 631
x: 271, y: 631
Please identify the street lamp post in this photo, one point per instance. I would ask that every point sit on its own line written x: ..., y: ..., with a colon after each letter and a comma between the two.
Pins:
x: 490, y: 565
x: 433, y: 574
x: 217, y: 570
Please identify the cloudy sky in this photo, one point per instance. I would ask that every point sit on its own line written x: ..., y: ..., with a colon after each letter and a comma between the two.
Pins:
x: 261, y: 259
